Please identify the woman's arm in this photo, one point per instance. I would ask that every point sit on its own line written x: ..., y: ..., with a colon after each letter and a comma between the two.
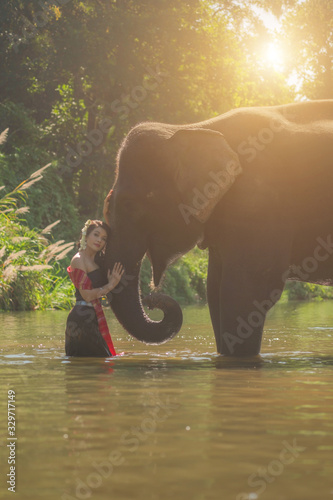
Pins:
x: 106, y: 208
x: 113, y: 279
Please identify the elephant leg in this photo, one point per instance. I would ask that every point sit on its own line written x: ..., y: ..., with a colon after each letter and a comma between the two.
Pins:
x: 213, y: 292
x: 255, y: 262
x: 243, y: 308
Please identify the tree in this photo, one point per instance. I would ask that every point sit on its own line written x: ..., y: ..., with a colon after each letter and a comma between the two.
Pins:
x: 92, y: 69
x: 308, y: 29
x: 306, y: 35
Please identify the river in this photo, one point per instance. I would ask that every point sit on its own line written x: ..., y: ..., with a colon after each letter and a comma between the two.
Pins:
x: 174, y: 421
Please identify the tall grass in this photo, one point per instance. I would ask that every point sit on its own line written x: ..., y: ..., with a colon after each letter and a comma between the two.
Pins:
x: 29, y: 262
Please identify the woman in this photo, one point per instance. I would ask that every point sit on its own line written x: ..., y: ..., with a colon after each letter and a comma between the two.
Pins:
x: 87, y: 333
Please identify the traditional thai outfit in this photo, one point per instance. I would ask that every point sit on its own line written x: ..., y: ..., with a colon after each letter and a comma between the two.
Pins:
x: 87, y: 332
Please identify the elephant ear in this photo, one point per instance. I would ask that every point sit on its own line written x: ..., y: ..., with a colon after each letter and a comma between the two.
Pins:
x: 204, y: 169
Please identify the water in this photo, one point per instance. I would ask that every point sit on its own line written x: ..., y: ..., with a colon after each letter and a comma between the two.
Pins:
x: 174, y: 421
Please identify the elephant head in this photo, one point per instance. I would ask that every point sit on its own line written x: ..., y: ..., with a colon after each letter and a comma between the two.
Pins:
x: 168, y: 181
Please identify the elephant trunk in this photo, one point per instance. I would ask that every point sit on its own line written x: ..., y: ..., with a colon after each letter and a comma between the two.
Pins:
x: 126, y: 304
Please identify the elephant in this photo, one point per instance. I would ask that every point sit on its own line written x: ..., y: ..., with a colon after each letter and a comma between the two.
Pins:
x: 254, y: 186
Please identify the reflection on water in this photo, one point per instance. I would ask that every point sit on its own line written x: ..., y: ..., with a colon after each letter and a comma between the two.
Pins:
x: 172, y: 421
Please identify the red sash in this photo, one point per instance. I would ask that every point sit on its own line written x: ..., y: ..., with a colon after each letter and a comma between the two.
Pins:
x: 83, y: 282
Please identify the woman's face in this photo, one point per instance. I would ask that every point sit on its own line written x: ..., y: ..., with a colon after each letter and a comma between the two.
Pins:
x: 96, y: 239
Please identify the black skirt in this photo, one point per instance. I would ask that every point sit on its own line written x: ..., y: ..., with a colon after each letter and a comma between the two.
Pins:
x: 83, y: 337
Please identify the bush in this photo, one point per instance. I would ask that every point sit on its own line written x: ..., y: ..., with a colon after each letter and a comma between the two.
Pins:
x: 25, y: 148
x: 299, y: 290
x: 27, y: 279
x: 185, y: 280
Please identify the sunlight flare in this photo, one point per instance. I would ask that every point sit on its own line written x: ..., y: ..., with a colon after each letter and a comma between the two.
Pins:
x: 274, y: 56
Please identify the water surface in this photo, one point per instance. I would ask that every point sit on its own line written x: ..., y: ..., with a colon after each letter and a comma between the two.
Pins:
x: 175, y: 421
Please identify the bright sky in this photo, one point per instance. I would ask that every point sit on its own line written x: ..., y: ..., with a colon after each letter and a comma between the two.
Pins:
x: 270, y: 21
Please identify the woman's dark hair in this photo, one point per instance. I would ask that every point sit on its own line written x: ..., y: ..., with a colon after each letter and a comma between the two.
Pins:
x: 100, y: 256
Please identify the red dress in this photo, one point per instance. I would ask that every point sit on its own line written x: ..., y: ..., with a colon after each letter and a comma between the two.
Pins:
x: 87, y: 332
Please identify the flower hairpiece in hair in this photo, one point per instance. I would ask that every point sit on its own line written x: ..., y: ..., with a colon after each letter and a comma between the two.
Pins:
x: 83, y: 241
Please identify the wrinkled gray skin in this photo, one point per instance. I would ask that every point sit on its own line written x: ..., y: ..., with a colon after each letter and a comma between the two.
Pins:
x: 254, y: 185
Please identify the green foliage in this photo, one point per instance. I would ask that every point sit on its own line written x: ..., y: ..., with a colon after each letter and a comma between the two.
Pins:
x: 27, y: 279
x: 185, y: 280
x: 307, y: 31
x: 305, y: 35
x: 50, y: 200
x: 91, y: 60
x: 298, y: 290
